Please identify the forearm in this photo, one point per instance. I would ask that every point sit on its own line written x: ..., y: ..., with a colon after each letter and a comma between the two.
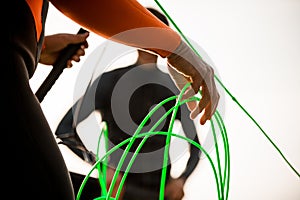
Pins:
x: 192, y: 163
x: 109, y: 18
x: 193, y: 160
x: 66, y: 124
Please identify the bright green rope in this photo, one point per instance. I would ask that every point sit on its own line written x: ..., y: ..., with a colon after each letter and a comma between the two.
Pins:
x: 222, y: 180
x: 228, y: 92
x: 167, y: 146
x: 218, y: 158
x: 102, y: 176
x: 225, y: 180
x: 147, y: 134
x: 102, y: 173
x: 144, y: 140
x: 219, y: 185
x: 132, y: 141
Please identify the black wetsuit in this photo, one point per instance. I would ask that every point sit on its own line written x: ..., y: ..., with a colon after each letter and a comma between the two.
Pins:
x: 34, y: 166
x: 124, y: 97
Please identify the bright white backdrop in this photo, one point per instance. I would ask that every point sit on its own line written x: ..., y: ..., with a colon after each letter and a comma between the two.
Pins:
x: 255, y: 46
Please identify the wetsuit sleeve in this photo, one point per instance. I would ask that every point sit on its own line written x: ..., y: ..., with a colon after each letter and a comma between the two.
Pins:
x: 191, y: 133
x: 110, y: 18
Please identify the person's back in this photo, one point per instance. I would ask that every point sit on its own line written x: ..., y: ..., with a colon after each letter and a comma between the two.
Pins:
x: 124, y: 97
x: 146, y: 170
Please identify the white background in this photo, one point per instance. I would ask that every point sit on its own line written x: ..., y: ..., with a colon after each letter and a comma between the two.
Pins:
x: 255, y: 46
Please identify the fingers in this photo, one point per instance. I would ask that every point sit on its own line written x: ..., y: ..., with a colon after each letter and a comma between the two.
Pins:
x: 77, y: 38
x: 69, y: 64
x: 188, y: 93
x: 191, y: 105
x: 76, y: 57
x: 207, y: 114
x: 209, y: 94
x: 203, y: 105
x: 207, y: 104
x: 214, y: 103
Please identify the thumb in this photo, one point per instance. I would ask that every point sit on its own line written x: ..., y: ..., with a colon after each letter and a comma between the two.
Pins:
x: 78, y: 38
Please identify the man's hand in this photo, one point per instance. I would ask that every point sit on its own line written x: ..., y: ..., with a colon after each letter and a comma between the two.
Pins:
x: 54, y: 44
x: 185, y: 66
x: 174, y: 189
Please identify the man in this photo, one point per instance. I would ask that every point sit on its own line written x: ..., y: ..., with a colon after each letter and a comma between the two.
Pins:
x: 143, y: 180
x: 43, y: 164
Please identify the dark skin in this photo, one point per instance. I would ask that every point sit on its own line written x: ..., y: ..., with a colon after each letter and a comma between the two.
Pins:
x: 54, y: 44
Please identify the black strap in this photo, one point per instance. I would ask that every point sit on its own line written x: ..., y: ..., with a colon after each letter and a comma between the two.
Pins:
x: 73, y: 142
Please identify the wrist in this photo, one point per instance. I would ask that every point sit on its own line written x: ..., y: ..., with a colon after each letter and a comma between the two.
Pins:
x: 185, y: 60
